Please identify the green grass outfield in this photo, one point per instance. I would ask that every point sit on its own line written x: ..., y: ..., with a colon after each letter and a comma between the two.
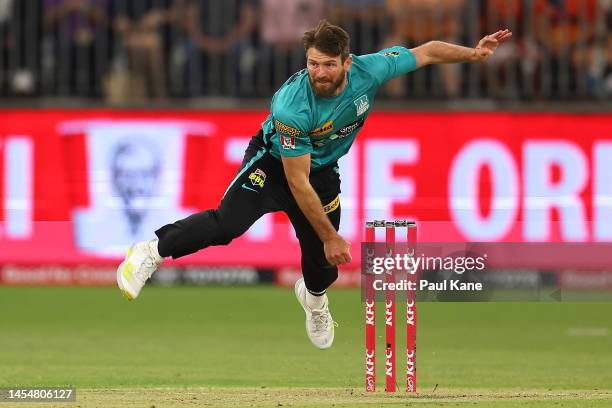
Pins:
x: 247, y: 346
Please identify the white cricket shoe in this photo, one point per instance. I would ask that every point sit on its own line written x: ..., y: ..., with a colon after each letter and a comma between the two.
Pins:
x: 139, y: 264
x: 319, y: 322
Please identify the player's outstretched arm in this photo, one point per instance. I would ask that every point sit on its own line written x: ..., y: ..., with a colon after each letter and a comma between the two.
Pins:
x: 297, y: 170
x: 439, y: 52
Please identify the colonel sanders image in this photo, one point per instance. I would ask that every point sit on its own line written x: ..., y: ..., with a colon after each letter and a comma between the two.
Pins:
x: 135, y: 172
x: 134, y: 182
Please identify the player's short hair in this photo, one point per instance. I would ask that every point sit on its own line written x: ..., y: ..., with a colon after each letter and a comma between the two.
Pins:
x: 329, y: 39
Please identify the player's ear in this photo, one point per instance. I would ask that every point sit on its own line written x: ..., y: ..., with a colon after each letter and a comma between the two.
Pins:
x: 347, y: 63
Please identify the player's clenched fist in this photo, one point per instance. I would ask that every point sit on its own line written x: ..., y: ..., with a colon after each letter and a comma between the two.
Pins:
x: 337, y: 250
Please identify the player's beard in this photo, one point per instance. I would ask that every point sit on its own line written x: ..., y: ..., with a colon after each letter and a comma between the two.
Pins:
x: 327, y: 88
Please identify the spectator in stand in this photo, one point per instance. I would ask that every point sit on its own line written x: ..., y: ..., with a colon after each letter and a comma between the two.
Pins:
x: 595, y: 60
x: 513, y: 67
x: 606, y: 72
x: 364, y: 20
x: 283, y: 22
x: 7, y: 41
x: 139, y: 26
x: 183, y: 19
x: 226, y: 34
x: 565, y: 29
x: 414, y: 22
x: 6, y: 8
x: 71, y: 27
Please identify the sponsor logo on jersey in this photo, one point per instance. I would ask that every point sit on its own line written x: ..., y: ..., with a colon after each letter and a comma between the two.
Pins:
x: 340, y: 134
x: 348, y: 129
x: 286, y: 129
x: 323, y: 130
x: 258, y: 178
x: 287, y: 142
x: 362, y: 104
x: 392, y: 54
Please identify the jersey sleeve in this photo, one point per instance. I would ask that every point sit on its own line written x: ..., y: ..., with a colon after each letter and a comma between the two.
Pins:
x: 293, y: 137
x: 390, y: 63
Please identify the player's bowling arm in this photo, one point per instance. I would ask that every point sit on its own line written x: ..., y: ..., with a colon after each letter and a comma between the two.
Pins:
x: 439, y: 52
x: 297, y: 170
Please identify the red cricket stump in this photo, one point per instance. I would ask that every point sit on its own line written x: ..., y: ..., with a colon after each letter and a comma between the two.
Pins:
x: 390, y: 306
x: 370, y: 318
x: 411, y: 315
x: 390, y: 314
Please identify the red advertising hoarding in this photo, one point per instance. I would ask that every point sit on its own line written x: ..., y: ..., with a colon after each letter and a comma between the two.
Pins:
x: 76, y: 187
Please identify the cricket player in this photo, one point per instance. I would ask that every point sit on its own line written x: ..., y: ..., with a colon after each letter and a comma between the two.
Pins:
x: 291, y: 165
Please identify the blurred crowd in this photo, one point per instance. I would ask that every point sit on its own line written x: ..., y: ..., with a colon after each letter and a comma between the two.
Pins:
x: 137, y: 50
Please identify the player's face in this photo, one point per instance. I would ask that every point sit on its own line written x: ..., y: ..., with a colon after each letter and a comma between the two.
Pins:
x: 327, y: 74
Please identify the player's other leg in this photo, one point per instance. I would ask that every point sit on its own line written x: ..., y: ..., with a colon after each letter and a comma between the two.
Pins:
x: 318, y: 274
x: 244, y: 202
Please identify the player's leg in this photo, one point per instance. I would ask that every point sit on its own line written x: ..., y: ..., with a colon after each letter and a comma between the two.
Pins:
x: 243, y: 204
x: 246, y: 200
x: 318, y: 275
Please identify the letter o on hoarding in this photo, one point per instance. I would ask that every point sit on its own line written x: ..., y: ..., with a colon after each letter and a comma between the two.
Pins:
x: 463, y: 190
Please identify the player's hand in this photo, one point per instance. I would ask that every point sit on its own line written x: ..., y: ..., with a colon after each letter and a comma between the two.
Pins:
x: 487, y: 46
x: 337, y: 250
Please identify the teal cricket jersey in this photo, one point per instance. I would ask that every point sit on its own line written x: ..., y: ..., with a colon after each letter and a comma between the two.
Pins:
x: 300, y: 122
